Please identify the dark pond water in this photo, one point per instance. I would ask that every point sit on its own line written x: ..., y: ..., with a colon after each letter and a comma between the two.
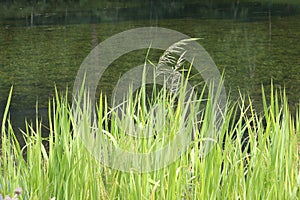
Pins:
x: 252, y: 43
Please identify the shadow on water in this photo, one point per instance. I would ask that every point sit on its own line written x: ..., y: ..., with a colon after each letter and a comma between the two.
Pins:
x: 46, y: 14
x: 18, y: 119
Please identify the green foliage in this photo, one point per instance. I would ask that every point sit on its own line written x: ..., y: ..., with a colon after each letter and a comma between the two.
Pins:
x: 60, y: 165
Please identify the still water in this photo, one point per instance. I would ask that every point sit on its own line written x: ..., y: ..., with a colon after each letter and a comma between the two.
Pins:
x: 40, y: 53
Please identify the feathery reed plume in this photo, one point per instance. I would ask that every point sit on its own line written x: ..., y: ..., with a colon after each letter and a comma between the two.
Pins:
x: 169, y: 65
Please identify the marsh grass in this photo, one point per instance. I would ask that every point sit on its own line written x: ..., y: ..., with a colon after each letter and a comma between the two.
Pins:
x: 217, y: 163
x: 65, y: 169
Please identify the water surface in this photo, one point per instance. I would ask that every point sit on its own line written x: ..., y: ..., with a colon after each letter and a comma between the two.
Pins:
x: 250, y: 51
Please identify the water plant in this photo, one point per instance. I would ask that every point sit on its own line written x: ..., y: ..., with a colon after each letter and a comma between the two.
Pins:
x: 65, y: 169
x: 67, y: 164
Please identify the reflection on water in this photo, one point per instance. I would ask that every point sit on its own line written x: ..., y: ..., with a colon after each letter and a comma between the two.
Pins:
x: 250, y: 52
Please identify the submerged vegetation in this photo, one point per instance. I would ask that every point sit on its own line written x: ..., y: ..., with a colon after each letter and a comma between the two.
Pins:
x: 61, y: 165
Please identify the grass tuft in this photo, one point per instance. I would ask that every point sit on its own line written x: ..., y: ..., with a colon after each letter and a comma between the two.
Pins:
x: 65, y: 169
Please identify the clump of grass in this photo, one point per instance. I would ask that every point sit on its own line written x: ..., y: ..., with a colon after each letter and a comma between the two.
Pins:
x: 67, y: 170
x: 212, y: 166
